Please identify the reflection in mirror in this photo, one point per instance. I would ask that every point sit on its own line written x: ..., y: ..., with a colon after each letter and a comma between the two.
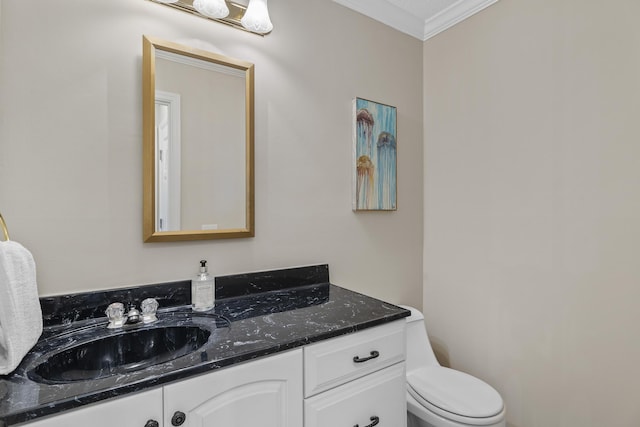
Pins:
x: 198, y: 144
x: 167, y: 154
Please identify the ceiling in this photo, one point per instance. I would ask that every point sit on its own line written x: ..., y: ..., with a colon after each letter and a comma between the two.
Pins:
x: 421, y: 19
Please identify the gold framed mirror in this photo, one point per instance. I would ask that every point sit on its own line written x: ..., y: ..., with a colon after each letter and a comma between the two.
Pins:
x: 198, y: 137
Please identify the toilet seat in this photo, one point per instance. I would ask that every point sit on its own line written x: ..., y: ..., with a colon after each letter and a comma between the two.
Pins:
x: 455, y: 395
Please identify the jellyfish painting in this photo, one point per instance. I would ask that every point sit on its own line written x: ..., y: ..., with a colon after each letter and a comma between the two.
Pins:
x: 375, y: 158
x: 386, y: 176
x: 364, y: 121
x: 365, y: 184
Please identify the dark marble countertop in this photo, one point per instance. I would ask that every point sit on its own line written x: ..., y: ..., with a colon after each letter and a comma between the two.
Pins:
x: 256, y: 314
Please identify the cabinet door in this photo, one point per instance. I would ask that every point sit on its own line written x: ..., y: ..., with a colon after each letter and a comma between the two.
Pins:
x: 127, y: 411
x: 377, y: 399
x: 265, y: 392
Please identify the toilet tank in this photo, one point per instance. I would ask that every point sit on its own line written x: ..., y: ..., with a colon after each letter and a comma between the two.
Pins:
x: 419, y: 351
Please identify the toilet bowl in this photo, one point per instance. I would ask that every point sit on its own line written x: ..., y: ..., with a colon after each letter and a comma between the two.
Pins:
x: 443, y: 397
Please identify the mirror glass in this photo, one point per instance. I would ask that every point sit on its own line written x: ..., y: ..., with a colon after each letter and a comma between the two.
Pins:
x: 198, y: 144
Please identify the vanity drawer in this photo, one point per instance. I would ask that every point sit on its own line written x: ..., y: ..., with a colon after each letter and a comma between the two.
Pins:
x: 336, y: 361
x: 377, y: 399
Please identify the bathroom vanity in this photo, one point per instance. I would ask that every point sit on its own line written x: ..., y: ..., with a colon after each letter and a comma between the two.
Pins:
x: 283, y: 348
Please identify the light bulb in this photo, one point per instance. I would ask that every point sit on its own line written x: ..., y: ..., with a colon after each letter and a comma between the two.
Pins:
x: 212, y: 8
x: 256, y: 18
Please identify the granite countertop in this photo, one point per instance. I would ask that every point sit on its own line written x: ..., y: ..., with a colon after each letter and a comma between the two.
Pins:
x: 256, y: 314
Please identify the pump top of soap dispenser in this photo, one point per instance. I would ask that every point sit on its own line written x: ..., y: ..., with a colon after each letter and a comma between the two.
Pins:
x: 204, y: 273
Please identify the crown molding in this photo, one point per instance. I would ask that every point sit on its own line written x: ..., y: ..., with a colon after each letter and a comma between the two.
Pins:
x: 388, y: 14
x: 452, y: 15
x: 404, y: 21
x: 199, y: 63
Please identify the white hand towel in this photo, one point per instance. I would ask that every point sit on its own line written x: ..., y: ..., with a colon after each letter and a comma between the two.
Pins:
x: 20, y: 312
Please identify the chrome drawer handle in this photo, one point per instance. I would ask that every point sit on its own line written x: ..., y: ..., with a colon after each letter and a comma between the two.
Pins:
x: 372, y: 355
x: 374, y: 422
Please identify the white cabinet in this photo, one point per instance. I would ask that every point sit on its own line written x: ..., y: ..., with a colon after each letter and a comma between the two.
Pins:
x: 266, y: 392
x: 352, y: 380
x: 357, y: 380
x: 335, y: 361
x: 376, y: 399
x: 135, y: 410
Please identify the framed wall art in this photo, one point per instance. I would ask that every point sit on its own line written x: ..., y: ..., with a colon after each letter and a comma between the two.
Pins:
x: 374, y: 186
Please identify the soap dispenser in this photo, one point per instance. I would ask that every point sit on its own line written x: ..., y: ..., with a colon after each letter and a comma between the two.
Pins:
x: 203, y: 290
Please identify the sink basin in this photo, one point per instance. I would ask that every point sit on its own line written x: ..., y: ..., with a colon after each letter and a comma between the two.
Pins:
x: 121, y: 353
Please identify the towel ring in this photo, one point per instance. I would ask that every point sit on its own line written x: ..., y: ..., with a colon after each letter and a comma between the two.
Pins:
x: 3, y: 225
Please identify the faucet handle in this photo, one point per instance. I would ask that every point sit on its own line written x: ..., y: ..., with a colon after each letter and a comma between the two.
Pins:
x: 149, y: 307
x: 115, y: 314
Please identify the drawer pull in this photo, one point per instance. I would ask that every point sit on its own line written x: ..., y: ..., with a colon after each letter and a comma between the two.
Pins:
x: 372, y: 355
x: 374, y: 422
x: 178, y: 418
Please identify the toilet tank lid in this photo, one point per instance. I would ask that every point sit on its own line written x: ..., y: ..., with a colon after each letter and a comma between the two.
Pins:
x: 455, y: 392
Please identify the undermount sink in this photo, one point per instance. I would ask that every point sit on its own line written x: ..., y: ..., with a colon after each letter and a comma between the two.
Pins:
x: 122, y: 353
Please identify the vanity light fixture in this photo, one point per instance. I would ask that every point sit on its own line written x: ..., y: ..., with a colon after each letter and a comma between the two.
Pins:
x: 253, y: 18
x: 256, y: 18
x: 212, y: 8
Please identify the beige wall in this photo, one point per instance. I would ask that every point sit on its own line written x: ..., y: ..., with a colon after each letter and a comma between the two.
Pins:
x: 532, y: 206
x: 71, y: 144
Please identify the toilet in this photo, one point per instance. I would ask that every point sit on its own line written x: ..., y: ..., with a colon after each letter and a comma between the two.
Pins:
x: 443, y: 397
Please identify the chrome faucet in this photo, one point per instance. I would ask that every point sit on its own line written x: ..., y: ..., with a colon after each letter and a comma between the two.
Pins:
x: 117, y: 317
x: 133, y: 315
